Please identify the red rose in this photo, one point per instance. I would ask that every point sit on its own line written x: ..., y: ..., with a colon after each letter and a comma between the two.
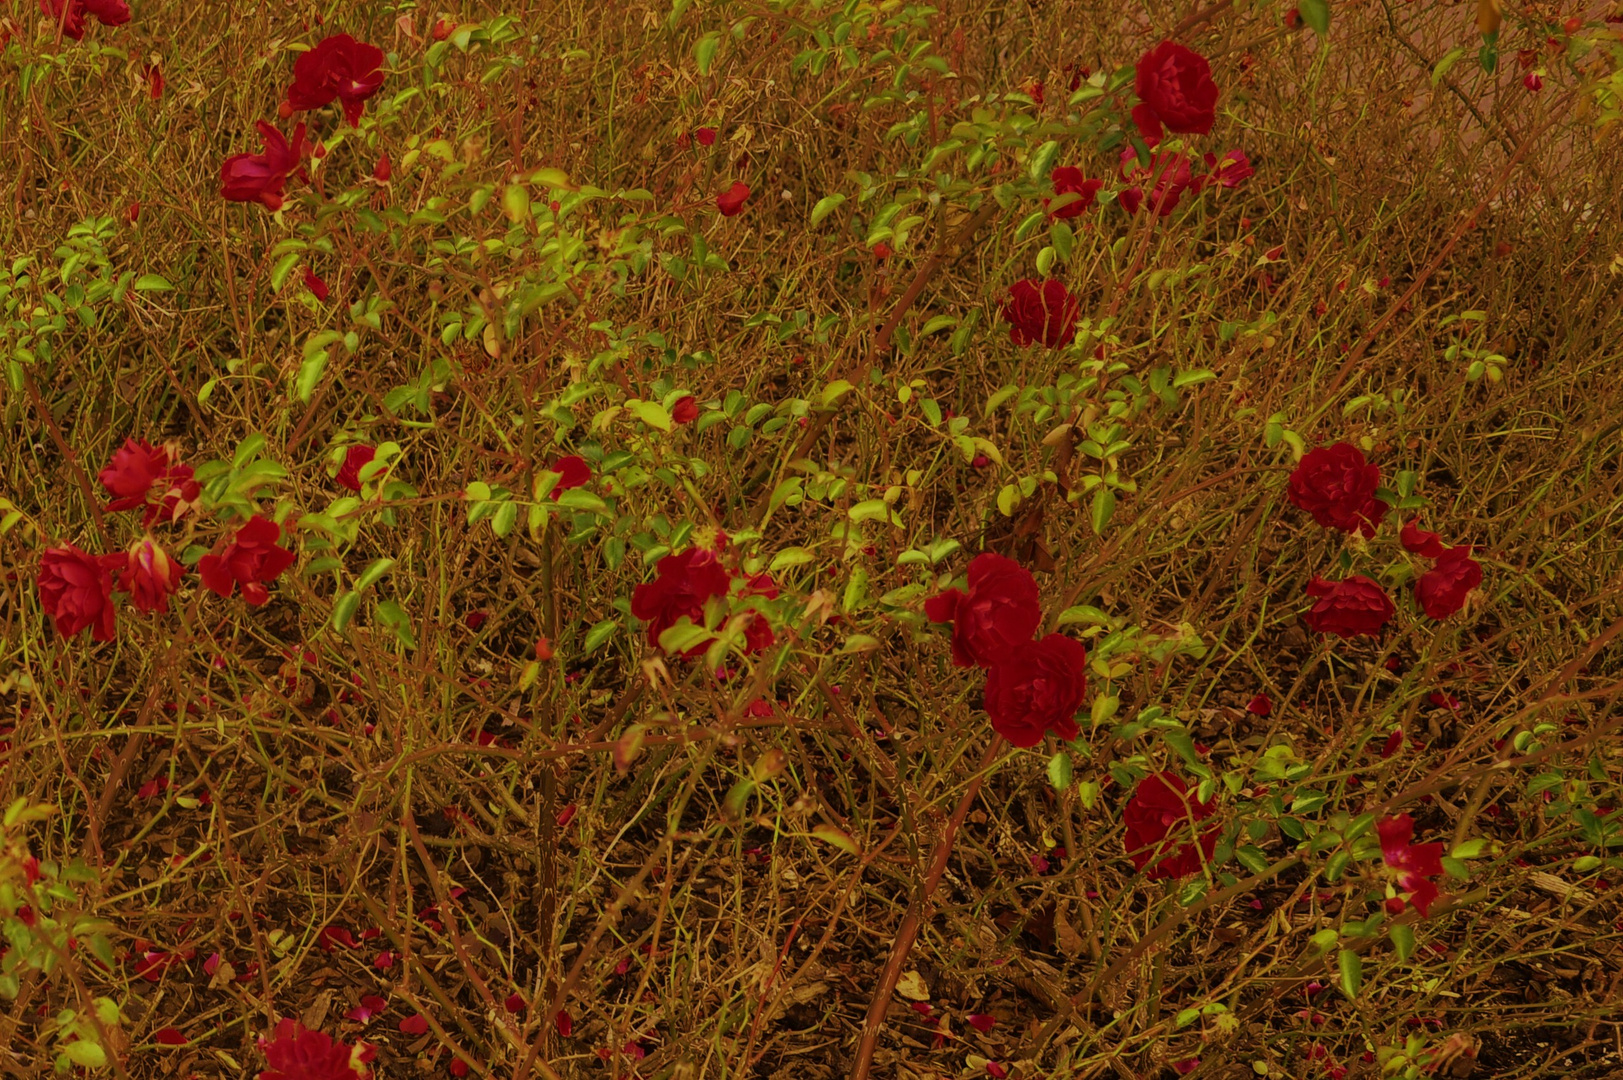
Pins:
x: 1038, y: 688
x: 1414, y: 863
x: 251, y: 560
x: 296, y: 1053
x: 316, y: 285
x: 572, y: 472
x: 1168, y: 177
x: 1068, y: 180
x: 706, y: 136
x: 70, y: 14
x: 1043, y: 312
x: 1418, y: 541
x: 682, y: 586
x: 76, y: 590
x: 686, y: 410
x: 1355, y: 607
x: 149, y: 575
x: 1442, y: 589
x: 1231, y: 170
x: 1336, y: 486
x: 998, y: 614
x: 731, y: 201
x: 1161, y: 806
x: 340, y: 68
x: 259, y: 177
x: 1175, y: 83
x: 140, y: 474
x: 349, y: 474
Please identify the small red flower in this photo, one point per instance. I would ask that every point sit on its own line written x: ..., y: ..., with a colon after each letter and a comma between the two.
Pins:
x: 572, y: 470
x: 1259, y: 705
x: 357, y: 456
x: 543, y: 648
x: 999, y: 613
x: 316, y: 285
x: 706, y: 136
x: 1160, y: 807
x: 1337, y: 486
x: 473, y: 620
x: 1037, y: 688
x: 684, y: 583
x: 1354, y: 607
x: 1168, y: 177
x: 70, y: 14
x: 1175, y: 83
x: 1231, y: 170
x: 732, y: 200
x: 686, y: 410
x: 149, y: 576
x: 565, y: 1024
x: 1418, y: 541
x: 1069, y: 181
x: 1442, y: 590
x: 151, y: 476
x: 260, y: 177
x: 383, y: 169
x: 1533, y: 82
x: 338, y: 68
x: 154, y: 78
x: 1414, y: 864
x: 76, y: 589
x: 296, y: 1053
x: 1043, y: 312
x: 443, y: 28
x: 251, y: 560
x: 133, y: 213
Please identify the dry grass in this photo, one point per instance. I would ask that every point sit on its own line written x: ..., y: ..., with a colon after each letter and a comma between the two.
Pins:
x: 637, y: 891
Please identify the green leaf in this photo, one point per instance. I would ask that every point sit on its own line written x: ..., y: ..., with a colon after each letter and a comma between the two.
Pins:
x: 1103, y: 508
x: 789, y: 557
x: 1043, y: 159
x: 826, y: 206
x: 651, y: 413
x: 393, y: 616
x: 284, y: 267
x: 828, y: 834
x: 1252, y: 858
x: 1450, y: 58
x: 152, y: 283
x: 344, y: 610
x: 506, y: 517
x: 1402, y: 935
x: 310, y: 372
x: 1316, y: 13
x: 372, y: 573
x: 600, y: 633
x: 516, y: 203
x: 1352, y: 972
x: 704, y: 53
x: 1060, y: 774
x: 85, y: 1053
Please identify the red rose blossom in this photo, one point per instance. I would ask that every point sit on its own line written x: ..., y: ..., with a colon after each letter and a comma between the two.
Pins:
x: 998, y: 614
x: 682, y: 585
x: 1043, y: 312
x: 140, y: 474
x: 1231, y: 170
x: 1174, y: 83
x: 383, y: 169
x: 251, y: 560
x: 732, y: 200
x: 705, y: 135
x: 1156, y: 818
x: 149, y: 576
x: 1337, y: 486
x: 70, y: 14
x: 338, y: 68
x: 260, y: 177
x: 1168, y: 177
x: 686, y: 410
x: 1414, y: 863
x: 1442, y: 589
x: 1068, y: 180
x: 76, y: 589
x: 296, y: 1053
x: 1418, y: 541
x: 1038, y: 688
x: 572, y: 470
x: 349, y: 474
x: 1355, y: 607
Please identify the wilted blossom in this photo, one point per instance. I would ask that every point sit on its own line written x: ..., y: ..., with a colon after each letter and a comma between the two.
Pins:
x: 338, y: 68
x: 251, y: 560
